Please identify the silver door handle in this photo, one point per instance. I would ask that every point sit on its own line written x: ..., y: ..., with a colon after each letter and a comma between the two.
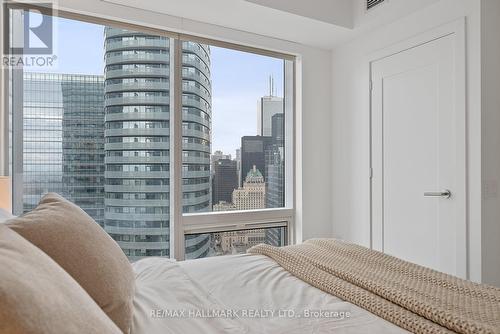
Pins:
x: 442, y: 194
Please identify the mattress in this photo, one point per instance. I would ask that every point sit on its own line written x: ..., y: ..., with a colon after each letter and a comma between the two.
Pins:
x: 239, y: 294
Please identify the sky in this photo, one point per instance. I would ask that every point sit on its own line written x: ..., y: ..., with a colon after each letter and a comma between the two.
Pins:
x: 239, y: 79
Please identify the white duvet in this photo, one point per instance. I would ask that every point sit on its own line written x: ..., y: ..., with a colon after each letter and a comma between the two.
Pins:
x: 239, y: 294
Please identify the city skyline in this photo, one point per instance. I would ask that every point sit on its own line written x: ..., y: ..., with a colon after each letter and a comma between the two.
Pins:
x: 131, y: 158
x: 239, y: 79
x: 63, y: 166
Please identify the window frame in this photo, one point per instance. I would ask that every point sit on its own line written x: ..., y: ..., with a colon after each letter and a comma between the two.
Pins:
x: 181, y: 224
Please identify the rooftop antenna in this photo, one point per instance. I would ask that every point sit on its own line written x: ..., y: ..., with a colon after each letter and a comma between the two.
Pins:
x: 270, y: 86
x: 273, y: 90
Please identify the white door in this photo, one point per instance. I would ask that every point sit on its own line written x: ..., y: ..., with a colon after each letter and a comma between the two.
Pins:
x: 418, y: 157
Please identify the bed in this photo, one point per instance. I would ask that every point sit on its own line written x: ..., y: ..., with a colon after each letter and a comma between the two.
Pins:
x: 318, y: 286
x: 254, y: 283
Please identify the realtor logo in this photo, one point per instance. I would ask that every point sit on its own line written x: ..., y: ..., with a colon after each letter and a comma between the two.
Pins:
x: 30, y: 35
x: 36, y: 35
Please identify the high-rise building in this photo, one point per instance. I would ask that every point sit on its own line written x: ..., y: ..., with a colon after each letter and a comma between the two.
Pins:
x: 216, y: 156
x: 278, y: 129
x: 253, y: 150
x: 63, y: 126
x: 275, y: 165
x: 238, y: 164
x: 275, y: 170
x: 225, y: 180
x: 268, y: 107
x: 252, y: 195
x: 83, y: 143
x: 137, y: 77
x: 197, y: 138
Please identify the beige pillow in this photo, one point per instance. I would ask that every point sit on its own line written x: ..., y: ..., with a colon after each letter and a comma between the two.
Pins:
x: 38, y: 296
x: 82, y: 248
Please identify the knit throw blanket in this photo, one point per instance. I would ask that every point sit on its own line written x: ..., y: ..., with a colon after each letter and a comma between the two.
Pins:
x: 413, y: 297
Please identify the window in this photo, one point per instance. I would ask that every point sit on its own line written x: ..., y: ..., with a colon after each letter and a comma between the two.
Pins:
x: 246, y: 133
x: 175, y: 146
x: 235, y: 241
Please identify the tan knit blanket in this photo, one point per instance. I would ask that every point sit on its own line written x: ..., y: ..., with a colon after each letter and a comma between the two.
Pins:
x: 413, y: 297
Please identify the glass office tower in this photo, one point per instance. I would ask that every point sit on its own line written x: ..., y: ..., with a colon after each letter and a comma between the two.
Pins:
x: 137, y: 140
x: 63, y: 135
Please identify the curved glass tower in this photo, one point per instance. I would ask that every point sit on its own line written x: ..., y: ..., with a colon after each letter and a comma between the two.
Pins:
x: 196, y: 135
x: 137, y: 145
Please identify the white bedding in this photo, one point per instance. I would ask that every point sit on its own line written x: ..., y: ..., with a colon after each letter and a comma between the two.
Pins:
x: 185, y: 297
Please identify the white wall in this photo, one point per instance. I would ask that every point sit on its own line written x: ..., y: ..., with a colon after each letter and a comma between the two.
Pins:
x: 490, y: 89
x: 313, y: 98
x: 350, y: 121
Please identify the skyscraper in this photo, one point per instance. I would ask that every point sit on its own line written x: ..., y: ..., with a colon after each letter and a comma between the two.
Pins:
x: 275, y: 171
x: 268, y: 107
x: 238, y: 164
x: 253, y: 153
x: 275, y: 164
x: 83, y: 142
x: 137, y: 136
x: 275, y: 177
x: 278, y: 129
x: 63, y: 140
x: 225, y: 180
x: 216, y: 156
x: 197, y: 138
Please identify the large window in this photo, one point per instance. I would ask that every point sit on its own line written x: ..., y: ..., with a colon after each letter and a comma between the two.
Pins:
x: 176, y: 146
x: 236, y: 241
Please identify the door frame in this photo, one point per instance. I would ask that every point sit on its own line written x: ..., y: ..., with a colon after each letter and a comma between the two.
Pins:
x: 456, y: 29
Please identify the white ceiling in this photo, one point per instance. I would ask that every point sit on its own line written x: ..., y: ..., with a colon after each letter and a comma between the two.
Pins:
x: 336, y: 12
x: 320, y: 23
